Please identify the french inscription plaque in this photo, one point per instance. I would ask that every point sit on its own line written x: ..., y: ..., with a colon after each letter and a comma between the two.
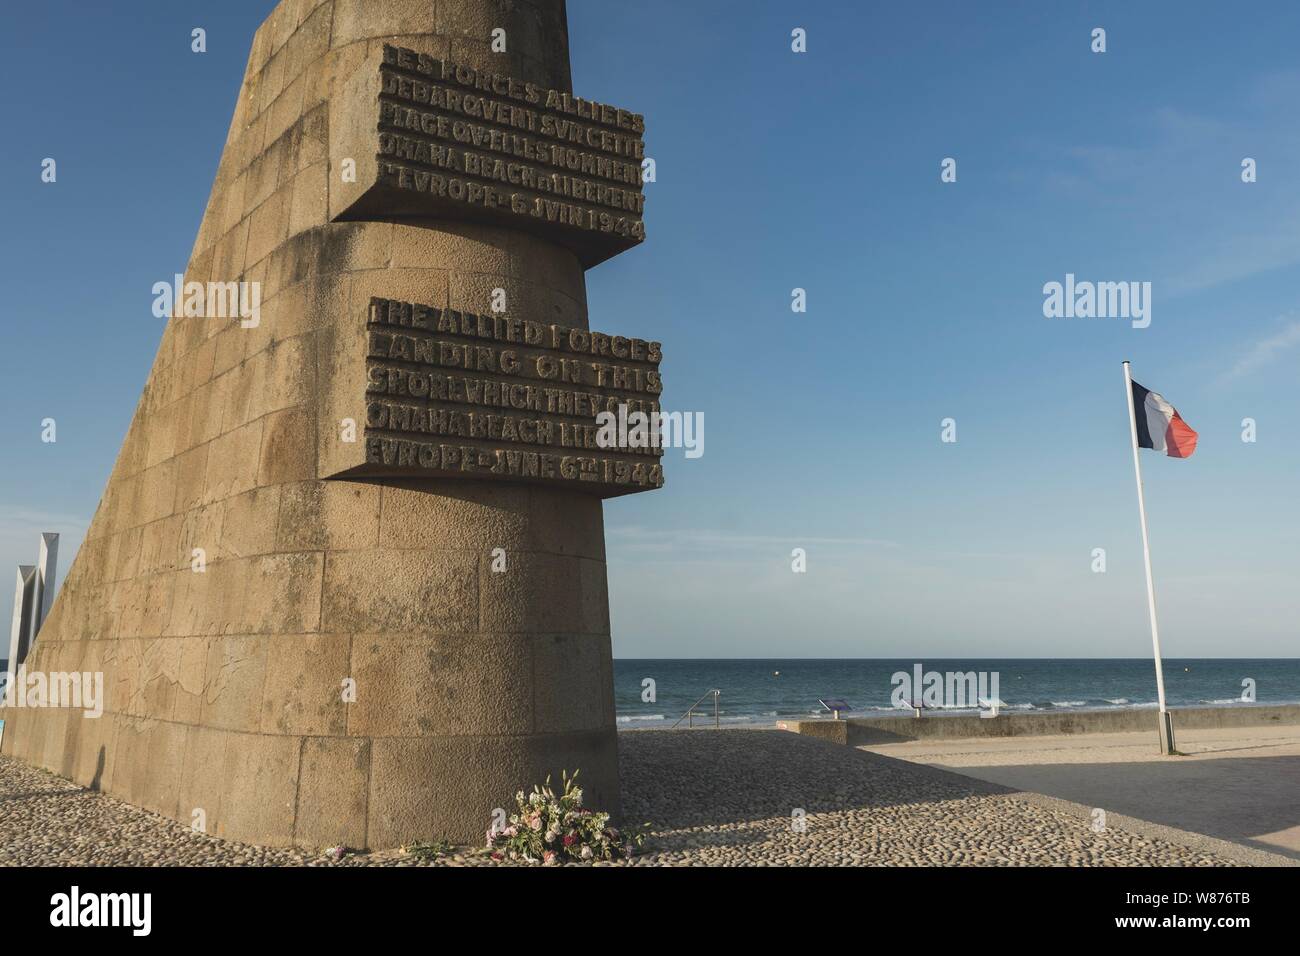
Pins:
x: 449, y: 141
x: 457, y: 394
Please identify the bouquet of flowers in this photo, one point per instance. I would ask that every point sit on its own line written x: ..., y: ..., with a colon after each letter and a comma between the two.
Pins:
x: 552, y: 829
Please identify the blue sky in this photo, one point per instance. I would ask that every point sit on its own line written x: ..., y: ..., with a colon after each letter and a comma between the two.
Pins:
x: 819, y: 170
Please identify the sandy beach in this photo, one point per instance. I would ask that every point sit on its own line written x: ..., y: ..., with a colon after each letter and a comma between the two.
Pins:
x: 716, y: 798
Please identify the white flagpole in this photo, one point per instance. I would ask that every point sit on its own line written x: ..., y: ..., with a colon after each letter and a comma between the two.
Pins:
x: 1166, y: 725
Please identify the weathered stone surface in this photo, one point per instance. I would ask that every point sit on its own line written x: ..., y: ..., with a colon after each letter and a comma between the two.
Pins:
x: 302, y: 685
x: 333, y: 792
x: 301, y: 658
x: 421, y: 785
x: 414, y: 684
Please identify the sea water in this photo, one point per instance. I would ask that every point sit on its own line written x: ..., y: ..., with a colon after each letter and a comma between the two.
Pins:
x: 759, y: 692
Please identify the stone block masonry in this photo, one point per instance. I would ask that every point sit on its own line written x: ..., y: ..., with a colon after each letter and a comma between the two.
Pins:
x: 305, y: 642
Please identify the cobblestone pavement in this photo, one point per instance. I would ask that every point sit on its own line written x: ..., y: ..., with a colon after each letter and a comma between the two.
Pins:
x: 720, y: 798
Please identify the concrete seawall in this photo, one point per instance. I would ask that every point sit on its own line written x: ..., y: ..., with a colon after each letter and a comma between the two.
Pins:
x: 879, y: 730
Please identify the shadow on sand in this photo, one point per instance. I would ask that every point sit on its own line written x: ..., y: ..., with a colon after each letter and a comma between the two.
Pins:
x: 1240, y: 799
x: 680, y: 779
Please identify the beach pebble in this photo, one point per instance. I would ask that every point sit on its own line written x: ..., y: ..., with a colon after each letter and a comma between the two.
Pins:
x: 713, y: 798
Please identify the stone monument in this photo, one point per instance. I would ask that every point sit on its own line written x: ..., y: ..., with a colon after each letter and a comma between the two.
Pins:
x: 21, y: 631
x: 346, y: 583
x: 33, y: 598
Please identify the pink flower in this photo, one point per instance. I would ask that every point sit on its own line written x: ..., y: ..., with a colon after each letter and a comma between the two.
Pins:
x: 570, y: 839
x: 548, y: 856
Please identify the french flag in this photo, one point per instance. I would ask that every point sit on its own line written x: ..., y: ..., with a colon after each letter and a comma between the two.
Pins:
x: 1159, y: 426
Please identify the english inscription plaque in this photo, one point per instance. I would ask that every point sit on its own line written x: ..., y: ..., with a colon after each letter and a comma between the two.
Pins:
x: 450, y: 141
x: 489, y: 396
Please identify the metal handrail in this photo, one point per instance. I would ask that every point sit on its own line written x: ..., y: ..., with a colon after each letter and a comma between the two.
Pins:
x: 689, y: 716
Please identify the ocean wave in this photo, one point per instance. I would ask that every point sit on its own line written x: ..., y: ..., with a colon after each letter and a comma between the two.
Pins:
x: 762, y: 717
